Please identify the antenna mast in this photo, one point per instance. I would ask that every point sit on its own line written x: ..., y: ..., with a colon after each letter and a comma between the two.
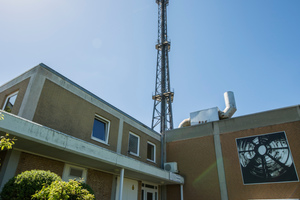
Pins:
x: 163, y: 98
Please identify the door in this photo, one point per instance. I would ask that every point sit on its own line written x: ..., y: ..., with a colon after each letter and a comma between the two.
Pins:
x: 130, y: 189
x: 149, y: 192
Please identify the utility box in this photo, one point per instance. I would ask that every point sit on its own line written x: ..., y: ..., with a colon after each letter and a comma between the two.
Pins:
x: 204, y: 116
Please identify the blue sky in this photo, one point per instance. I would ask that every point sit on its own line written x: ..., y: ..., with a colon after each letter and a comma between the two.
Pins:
x: 250, y: 47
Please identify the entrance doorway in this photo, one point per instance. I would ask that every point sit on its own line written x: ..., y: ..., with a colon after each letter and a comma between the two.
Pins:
x: 149, y: 192
x: 130, y: 189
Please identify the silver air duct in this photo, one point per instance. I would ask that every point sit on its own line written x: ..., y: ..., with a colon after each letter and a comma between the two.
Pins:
x: 230, y: 106
x: 212, y: 114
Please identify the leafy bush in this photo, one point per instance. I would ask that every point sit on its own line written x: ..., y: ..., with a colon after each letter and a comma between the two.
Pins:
x: 24, y: 185
x: 71, y: 190
x: 87, y: 187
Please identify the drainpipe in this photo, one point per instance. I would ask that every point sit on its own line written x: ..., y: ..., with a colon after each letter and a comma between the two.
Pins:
x: 181, y: 192
x: 121, y: 183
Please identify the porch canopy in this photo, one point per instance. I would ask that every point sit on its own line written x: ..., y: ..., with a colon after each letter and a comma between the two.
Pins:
x: 41, y: 140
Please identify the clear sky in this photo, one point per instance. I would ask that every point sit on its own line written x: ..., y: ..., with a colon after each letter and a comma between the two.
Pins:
x: 250, y: 47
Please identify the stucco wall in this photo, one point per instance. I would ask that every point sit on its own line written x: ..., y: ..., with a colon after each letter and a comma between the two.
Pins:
x: 144, y: 138
x: 21, y: 88
x: 197, y: 164
x: 63, y: 111
x: 236, y: 189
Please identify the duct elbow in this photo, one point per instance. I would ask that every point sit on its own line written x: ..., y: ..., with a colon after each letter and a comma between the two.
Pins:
x: 230, y: 106
x: 184, y: 123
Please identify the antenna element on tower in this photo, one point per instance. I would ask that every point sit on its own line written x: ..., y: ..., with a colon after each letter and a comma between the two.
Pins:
x: 163, y: 98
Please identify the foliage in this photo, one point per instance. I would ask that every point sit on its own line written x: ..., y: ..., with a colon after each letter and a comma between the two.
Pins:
x: 6, y: 142
x: 24, y: 185
x: 71, y: 190
x: 87, y: 187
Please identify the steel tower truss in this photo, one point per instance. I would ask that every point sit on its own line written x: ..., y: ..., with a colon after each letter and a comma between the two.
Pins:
x: 163, y: 98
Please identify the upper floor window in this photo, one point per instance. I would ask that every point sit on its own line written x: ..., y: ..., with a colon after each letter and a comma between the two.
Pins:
x: 74, y: 172
x: 151, y: 150
x: 134, y: 144
x: 101, y: 129
x: 10, y: 102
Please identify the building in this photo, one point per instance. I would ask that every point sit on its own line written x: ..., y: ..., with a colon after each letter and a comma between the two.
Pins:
x: 66, y: 129
x: 251, y: 157
x: 63, y: 128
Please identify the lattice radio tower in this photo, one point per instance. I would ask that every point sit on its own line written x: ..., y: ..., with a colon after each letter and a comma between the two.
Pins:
x: 163, y: 98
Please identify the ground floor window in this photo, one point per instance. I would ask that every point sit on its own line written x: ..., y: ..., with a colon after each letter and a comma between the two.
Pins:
x: 74, y: 172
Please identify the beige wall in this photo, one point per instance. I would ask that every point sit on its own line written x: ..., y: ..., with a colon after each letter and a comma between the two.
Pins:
x: 29, y: 162
x: 236, y: 189
x: 21, y: 88
x: 144, y: 138
x: 63, y: 111
x: 197, y: 164
x: 101, y: 183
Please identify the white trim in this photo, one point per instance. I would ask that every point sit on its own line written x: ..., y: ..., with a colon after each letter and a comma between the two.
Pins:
x: 107, y: 127
x: 67, y: 169
x: 154, y: 152
x: 138, y: 144
x: 8, y: 97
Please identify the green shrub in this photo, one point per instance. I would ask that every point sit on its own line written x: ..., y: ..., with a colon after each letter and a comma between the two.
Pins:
x: 87, y: 187
x: 24, y: 185
x: 61, y: 190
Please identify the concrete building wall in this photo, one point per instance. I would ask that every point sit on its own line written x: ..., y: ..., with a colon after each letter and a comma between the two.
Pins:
x: 101, y: 183
x: 196, y: 161
x: 29, y: 162
x: 236, y: 189
x: 144, y: 138
x: 203, y: 152
x: 6, y: 91
x: 66, y: 112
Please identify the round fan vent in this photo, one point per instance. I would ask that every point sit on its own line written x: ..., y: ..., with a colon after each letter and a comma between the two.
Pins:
x: 265, y: 158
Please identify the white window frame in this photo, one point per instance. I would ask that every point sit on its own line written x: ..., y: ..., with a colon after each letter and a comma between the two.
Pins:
x: 67, y: 169
x: 154, y: 152
x: 138, y: 144
x: 107, y: 127
x: 8, y: 97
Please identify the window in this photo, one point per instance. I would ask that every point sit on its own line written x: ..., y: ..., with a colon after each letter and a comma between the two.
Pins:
x: 74, y: 172
x: 101, y: 129
x: 10, y: 102
x: 151, y: 150
x: 134, y: 144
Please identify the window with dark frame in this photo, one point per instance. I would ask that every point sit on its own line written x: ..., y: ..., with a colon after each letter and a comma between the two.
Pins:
x: 134, y: 144
x: 151, y: 151
x: 100, y: 129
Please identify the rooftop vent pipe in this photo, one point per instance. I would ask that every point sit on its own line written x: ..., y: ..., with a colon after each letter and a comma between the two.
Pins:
x: 225, y: 114
x: 230, y: 106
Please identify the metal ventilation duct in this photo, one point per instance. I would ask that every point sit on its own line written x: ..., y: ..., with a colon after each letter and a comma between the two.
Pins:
x: 212, y: 114
x: 230, y: 106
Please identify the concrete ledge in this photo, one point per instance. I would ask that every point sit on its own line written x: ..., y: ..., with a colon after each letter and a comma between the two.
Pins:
x: 267, y: 118
x: 45, y: 138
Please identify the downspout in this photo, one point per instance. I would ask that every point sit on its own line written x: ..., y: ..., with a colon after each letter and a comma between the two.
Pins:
x: 181, y: 192
x: 121, y: 184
